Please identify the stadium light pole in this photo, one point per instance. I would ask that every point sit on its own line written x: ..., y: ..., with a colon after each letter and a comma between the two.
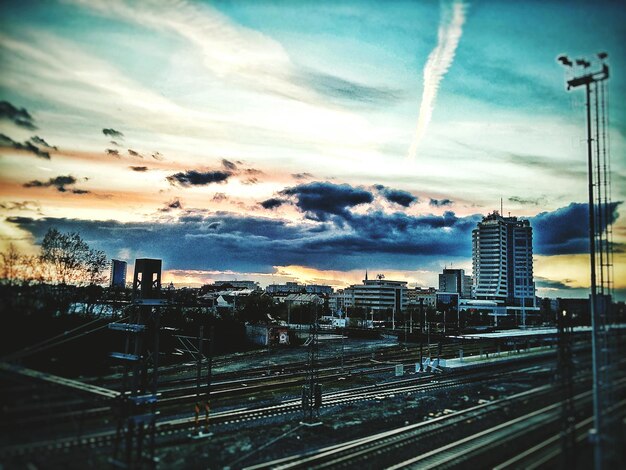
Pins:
x: 586, y: 80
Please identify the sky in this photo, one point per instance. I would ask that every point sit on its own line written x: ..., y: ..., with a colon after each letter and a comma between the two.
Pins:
x: 306, y: 141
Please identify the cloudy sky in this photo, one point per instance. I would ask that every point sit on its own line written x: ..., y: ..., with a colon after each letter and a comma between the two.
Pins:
x: 304, y: 141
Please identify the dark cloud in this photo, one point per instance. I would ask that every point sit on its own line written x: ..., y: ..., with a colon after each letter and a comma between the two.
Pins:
x: 219, y: 197
x: 59, y: 182
x: 39, y: 141
x: 236, y: 242
x: 6, y: 141
x: 175, y: 204
x: 115, y: 143
x: 552, y: 284
x: 403, y: 198
x: 272, y: 203
x: 252, y: 171
x: 132, y: 153
x: 198, y: 178
x: 250, y: 181
x: 341, y: 89
x: 247, y: 243
x: 140, y: 169
x: 21, y: 206
x: 230, y: 241
x: 302, y: 176
x: 440, y: 202
x: 566, y: 230
x: 228, y: 165
x: 18, y: 116
x: 320, y: 200
x: 525, y: 201
x: 113, y: 152
x: 113, y: 133
x: 157, y: 156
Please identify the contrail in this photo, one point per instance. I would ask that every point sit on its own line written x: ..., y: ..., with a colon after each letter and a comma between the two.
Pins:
x: 438, y: 63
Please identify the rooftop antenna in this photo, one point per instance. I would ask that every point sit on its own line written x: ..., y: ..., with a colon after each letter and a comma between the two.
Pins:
x: 501, y: 210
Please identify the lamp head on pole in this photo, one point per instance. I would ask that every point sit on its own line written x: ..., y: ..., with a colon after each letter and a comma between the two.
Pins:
x: 565, y: 61
x: 583, y: 63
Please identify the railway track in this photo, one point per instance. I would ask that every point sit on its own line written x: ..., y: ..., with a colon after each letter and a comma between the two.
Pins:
x: 168, y: 427
x: 387, y: 449
x: 394, y: 353
x: 170, y: 399
x: 476, y: 448
x: 234, y: 383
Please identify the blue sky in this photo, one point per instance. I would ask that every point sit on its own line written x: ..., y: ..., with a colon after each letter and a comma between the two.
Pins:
x: 218, y: 107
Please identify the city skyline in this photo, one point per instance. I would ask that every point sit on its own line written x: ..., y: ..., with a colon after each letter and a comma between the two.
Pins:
x: 305, y: 142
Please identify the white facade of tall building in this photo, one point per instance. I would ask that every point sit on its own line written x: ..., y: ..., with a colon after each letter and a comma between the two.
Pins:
x: 295, y: 288
x: 379, y: 294
x: 373, y: 295
x: 502, y: 259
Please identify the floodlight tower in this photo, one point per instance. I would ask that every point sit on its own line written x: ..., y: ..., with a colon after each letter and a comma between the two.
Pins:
x: 600, y: 248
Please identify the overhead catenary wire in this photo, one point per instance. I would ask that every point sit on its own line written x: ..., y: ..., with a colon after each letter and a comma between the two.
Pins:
x: 60, y: 339
x: 61, y: 335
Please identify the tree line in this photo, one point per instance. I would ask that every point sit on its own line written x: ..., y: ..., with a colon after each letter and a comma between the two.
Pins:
x: 62, y: 258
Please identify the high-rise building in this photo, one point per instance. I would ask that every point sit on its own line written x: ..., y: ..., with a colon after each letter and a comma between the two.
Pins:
x: 455, y: 281
x: 502, y: 259
x: 117, y: 276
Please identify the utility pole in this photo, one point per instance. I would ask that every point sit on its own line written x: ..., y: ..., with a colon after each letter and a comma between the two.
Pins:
x: 312, y: 391
x: 209, y: 378
x: 606, y: 449
x: 566, y: 384
x: 202, y: 401
x: 199, y: 362
x: 421, y: 334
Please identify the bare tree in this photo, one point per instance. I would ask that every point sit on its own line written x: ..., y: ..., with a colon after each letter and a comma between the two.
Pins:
x: 96, y: 266
x: 16, y: 267
x: 10, y: 262
x: 69, y: 260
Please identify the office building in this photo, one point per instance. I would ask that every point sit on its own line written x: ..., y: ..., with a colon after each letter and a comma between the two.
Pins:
x: 502, y: 259
x: 378, y: 295
x: 281, y: 290
x: 117, y: 277
x: 455, y: 281
x: 234, y: 284
x: 426, y: 296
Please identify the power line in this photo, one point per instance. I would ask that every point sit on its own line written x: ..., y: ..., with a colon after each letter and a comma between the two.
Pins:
x: 42, y: 346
